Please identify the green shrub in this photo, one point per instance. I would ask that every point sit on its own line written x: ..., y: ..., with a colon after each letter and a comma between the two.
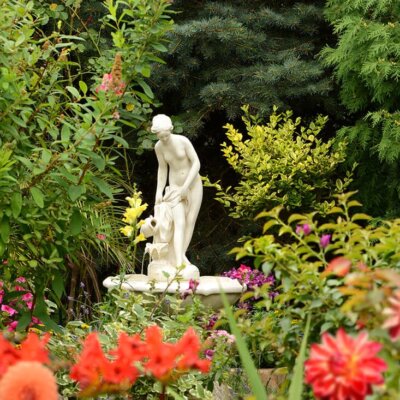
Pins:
x: 280, y: 162
x: 60, y: 140
x: 305, y: 288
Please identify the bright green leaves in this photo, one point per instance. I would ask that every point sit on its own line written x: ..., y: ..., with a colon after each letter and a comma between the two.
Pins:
x: 280, y: 162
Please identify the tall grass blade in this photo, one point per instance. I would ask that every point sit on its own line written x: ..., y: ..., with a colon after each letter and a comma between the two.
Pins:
x: 255, y: 382
x: 296, y: 387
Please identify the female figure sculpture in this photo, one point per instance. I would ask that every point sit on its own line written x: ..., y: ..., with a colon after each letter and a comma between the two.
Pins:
x: 179, y: 165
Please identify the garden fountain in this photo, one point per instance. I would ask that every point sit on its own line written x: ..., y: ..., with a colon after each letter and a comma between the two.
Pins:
x: 176, y: 209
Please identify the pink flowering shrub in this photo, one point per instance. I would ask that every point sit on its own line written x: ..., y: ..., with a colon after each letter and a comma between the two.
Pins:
x: 251, y: 279
x: 16, y: 299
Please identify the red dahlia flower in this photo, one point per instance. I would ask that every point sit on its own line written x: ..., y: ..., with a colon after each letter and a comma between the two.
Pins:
x: 343, y: 367
x: 393, y: 313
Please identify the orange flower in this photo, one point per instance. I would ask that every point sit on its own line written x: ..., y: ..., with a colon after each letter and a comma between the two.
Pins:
x: 167, y: 361
x: 161, y: 356
x: 31, y: 349
x: 393, y: 313
x: 34, y: 349
x: 189, y: 346
x: 97, y: 374
x: 123, y: 370
x: 28, y: 380
x: 344, y: 368
x: 91, y: 363
x: 8, y: 355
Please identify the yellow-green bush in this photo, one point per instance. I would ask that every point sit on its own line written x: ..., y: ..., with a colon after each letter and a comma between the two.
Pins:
x: 278, y: 163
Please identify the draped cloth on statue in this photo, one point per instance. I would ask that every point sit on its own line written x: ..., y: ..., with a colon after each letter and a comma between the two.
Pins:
x: 161, y: 228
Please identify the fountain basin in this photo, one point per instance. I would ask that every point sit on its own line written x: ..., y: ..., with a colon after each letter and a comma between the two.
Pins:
x: 209, y: 287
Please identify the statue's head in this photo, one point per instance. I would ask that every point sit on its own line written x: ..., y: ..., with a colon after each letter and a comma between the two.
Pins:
x: 162, y: 126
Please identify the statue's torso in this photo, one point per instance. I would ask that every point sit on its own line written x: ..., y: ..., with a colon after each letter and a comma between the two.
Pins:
x: 175, y: 156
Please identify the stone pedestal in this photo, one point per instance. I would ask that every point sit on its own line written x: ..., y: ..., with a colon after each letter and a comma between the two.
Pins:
x: 209, y: 287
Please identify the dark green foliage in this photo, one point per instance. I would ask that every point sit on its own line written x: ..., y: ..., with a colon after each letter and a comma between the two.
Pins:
x: 226, y: 54
x: 366, y: 62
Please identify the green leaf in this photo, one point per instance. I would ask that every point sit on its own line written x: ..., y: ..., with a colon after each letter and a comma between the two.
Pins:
x: 145, y: 70
x: 120, y: 140
x: 76, y: 223
x: 83, y: 87
x: 76, y: 191
x: 38, y: 196
x: 296, y: 386
x: 5, y: 229
x: 160, y: 47
x: 65, y: 134
x: 73, y: 91
x: 104, y: 187
x: 255, y: 382
x: 24, y: 320
x: 58, y: 285
x: 16, y: 204
x: 40, y: 312
x: 146, y: 88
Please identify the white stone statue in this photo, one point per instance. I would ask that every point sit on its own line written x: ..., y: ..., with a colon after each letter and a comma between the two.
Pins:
x: 178, y: 198
x: 177, y: 204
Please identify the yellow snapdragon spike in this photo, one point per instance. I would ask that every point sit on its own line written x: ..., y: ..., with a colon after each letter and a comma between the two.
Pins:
x: 134, y: 201
x: 139, y: 238
x: 140, y: 223
x: 132, y: 214
x: 127, y: 230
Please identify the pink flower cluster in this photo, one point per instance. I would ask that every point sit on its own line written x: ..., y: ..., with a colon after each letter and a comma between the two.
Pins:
x: 109, y: 84
x: 17, y: 305
x: 252, y: 278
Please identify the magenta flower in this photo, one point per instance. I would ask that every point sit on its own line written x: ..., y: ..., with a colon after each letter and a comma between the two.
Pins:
x: 12, y: 326
x: 27, y: 297
x: 191, y: 289
x: 9, y: 310
x: 20, y: 279
x: 193, y: 284
x: 304, y: 229
x: 36, y: 321
x: 209, y: 354
x: 213, y: 320
x: 1, y: 295
x: 101, y: 236
x: 325, y: 240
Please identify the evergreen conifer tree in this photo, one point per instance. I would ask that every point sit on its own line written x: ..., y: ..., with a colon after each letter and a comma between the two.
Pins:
x: 226, y: 54
x: 366, y: 62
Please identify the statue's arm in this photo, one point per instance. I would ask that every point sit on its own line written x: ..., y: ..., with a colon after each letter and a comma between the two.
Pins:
x: 195, y: 164
x: 161, y: 175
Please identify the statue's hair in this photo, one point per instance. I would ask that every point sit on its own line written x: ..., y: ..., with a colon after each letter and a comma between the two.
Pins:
x: 161, y: 122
